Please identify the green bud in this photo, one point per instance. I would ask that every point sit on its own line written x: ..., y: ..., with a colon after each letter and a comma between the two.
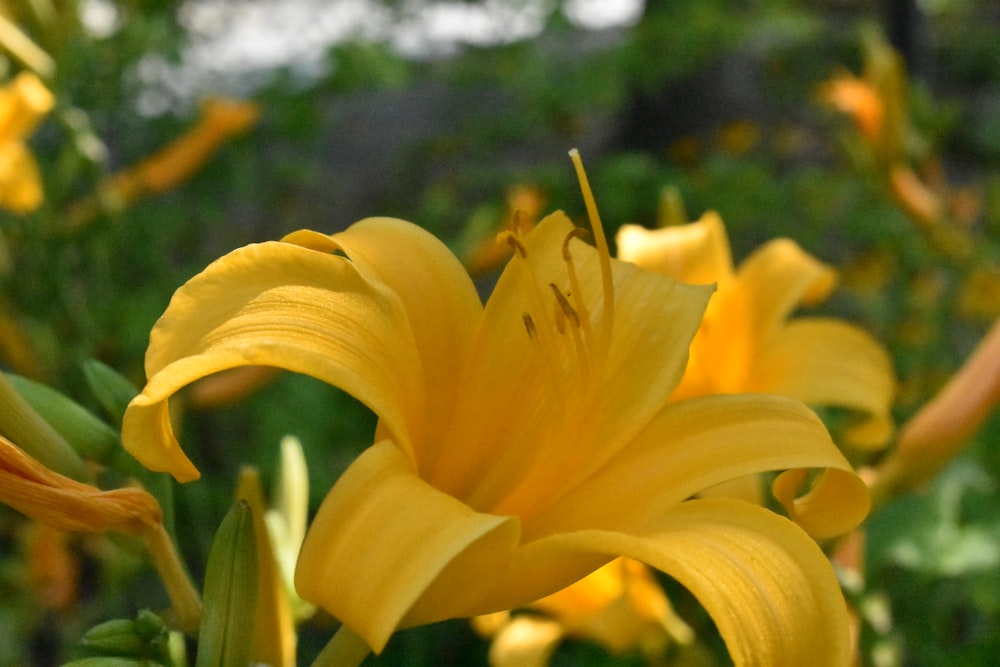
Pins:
x: 117, y: 637
x: 22, y: 425
x: 88, y: 435
x: 230, y: 595
x: 149, y: 626
x: 112, y: 389
x: 144, y: 637
x: 113, y: 662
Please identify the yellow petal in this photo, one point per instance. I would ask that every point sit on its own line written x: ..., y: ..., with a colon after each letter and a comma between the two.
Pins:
x: 827, y: 362
x: 386, y: 550
x: 20, y: 180
x: 696, y: 444
x: 768, y: 587
x: 778, y: 277
x: 694, y: 253
x: 525, y: 641
x: 281, y: 305
x: 440, y: 300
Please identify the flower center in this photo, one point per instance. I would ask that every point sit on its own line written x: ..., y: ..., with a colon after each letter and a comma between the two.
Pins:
x: 571, y: 349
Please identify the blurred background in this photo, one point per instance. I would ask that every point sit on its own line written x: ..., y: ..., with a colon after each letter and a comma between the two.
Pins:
x: 182, y: 130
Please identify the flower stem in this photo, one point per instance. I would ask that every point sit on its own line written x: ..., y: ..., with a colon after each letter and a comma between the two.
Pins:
x: 346, y: 649
x: 184, y: 598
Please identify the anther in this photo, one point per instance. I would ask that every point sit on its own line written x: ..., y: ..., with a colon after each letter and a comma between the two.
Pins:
x: 577, y: 233
x: 515, y: 244
x: 567, y: 309
x: 529, y: 325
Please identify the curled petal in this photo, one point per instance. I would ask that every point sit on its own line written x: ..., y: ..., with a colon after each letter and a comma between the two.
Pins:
x: 440, y: 300
x: 278, y: 304
x: 694, y: 445
x: 386, y: 550
x: 781, y: 276
x: 766, y: 584
x: 823, y: 361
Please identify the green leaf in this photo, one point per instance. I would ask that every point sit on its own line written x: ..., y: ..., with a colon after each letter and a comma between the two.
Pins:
x: 112, y: 389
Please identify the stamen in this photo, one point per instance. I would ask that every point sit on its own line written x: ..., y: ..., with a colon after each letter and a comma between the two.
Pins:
x: 540, y: 332
x: 564, y: 305
x: 514, y: 243
x: 574, y: 285
x: 580, y: 343
x: 577, y: 233
x: 603, y: 252
x: 529, y: 325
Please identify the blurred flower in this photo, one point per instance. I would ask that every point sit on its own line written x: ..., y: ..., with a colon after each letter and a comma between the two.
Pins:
x: 53, y: 571
x: 738, y: 137
x: 221, y: 119
x: 858, y: 99
x: 520, y: 446
x: 901, y: 156
x: 620, y: 606
x: 943, y: 426
x: 876, y: 101
x: 748, y: 342
x: 288, y: 517
x: 23, y: 102
x: 979, y: 297
x: 229, y: 387
x: 487, y: 252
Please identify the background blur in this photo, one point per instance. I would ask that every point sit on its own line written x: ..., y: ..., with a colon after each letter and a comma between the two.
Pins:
x: 441, y: 113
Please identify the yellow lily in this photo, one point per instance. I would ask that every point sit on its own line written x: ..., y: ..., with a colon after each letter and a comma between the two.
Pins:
x: 748, y: 342
x: 23, y: 102
x: 522, y: 444
x: 620, y: 606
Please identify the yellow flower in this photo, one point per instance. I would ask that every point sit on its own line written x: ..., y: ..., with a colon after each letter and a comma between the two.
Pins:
x: 522, y: 444
x: 748, y: 342
x: 23, y: 102
x: 621, y: 606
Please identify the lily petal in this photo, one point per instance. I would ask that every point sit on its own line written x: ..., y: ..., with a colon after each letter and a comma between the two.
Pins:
x: 766, y: 584
x: 697, y: 252
x: 440, y: 300
x: 696, y: 444
x: 426, y: 560
x: 781, y: 276
x: 281, y: 305
x: 823, y: 361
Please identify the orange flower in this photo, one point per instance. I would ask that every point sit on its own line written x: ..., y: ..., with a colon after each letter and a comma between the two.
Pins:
x: 221, y: 119
x: 55, y: 500
x: 858, y: 99
x: 942, y: 427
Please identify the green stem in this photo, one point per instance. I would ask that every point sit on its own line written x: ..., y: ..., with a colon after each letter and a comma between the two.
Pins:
x: 184, y: 598
x: 346, y: 649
